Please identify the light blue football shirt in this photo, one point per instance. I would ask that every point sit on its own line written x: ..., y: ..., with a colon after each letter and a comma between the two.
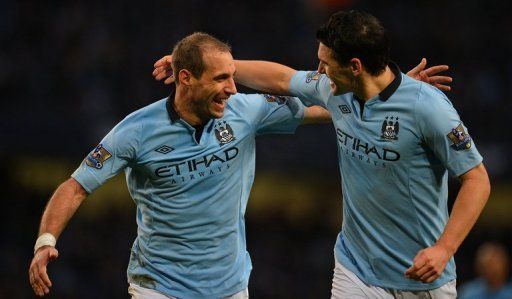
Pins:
x: 394, y: 159
x: 191, y: 195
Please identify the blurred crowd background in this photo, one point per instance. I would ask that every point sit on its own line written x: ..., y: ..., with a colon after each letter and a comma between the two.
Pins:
x: 70, y: 70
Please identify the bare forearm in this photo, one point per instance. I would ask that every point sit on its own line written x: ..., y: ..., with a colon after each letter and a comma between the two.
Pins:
x: 61, y: 207
x: 468, y: 205
x: 265, y: 76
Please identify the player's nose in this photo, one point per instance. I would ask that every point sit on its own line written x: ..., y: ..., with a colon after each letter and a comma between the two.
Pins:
x: 230, y: 88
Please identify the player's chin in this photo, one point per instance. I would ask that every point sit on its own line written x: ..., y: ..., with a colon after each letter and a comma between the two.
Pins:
x: 217, y: 113
x: 337, y: 91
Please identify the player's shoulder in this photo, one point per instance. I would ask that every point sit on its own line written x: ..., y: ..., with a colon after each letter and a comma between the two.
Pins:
x: 423, y: 93
x: 309, y: 77
x: 239, y: 98
x: 242, y: 101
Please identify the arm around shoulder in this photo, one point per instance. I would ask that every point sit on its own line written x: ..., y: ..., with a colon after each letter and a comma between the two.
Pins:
x: 265, y: 76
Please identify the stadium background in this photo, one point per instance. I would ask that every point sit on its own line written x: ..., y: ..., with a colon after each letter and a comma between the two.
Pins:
x: 70, y: 70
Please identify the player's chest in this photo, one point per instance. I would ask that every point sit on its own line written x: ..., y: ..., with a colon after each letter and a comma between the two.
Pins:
x: 381, y: 133
x: 178, y: 154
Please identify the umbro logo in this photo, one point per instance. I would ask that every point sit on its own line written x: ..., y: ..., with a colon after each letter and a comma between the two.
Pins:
x: 164, y: 149
x: 345, y: 109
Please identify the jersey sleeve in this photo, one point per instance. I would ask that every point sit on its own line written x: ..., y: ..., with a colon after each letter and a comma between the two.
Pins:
x: 312, y: 88
x: 444, y: 133
x: 115, y: 152
x: 270, y: 114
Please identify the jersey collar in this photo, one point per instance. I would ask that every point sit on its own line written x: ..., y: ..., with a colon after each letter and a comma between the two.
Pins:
x: 387, y: 92
x: 173, y: 115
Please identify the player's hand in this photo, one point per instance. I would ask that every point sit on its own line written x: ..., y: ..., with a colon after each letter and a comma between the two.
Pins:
x: 429, y: 264
x: 37, y: 274
x: 163, y: 69
x: 430, y: 75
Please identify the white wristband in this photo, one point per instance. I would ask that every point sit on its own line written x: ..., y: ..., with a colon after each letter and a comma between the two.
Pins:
x: 45, y: 239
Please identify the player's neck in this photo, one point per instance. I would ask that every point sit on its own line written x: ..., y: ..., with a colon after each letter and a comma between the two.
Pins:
x: 370, y: 86
x: 183, y: 105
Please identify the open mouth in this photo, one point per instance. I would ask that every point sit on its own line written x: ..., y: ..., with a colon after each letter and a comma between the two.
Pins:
x: 220, y: 103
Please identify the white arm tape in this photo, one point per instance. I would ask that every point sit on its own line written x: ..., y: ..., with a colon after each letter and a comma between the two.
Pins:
x: 44, y: 240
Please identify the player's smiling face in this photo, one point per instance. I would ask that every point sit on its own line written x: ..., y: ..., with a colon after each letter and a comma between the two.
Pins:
x: 341, y: 77
x: 215, y: 86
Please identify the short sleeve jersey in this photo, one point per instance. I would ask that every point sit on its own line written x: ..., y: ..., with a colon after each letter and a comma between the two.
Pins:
x: 395, y: 152
x: 191, y: 195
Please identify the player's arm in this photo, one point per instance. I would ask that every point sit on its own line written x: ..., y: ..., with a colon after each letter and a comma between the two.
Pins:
x: 269, y: 77
x: 444, y: 133
x: 59, y: 210
x: 430, y: 262
x: 116, y: 150
x: 266, y: 76
x: 316, y: 115
x: 275, y: 78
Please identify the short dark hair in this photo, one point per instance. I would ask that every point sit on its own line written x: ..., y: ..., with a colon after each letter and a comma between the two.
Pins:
x: 356, y: 34
x: 188, y: 53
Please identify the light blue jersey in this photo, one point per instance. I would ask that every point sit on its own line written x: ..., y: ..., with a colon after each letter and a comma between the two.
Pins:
x: 191, y: 195
x: 394, y: 158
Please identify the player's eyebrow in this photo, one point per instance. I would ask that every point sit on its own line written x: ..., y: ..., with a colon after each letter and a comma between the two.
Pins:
x: 222, y: 76
x: 323, y: 61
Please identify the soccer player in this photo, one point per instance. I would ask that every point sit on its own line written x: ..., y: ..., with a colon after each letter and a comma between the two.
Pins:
x: 398, y: 139
x: 189, y: 162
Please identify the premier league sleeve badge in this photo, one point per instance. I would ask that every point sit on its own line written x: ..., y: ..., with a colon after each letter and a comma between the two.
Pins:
x: 98, y: 156
x: 460, y: 139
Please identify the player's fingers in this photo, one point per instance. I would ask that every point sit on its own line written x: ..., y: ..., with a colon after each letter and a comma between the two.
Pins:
x: 436, y: 69
x: 39, y: 272
x: 427, y: 275
x: 158, y: 70
x: 420, y: 66
x: 37, y: 284
x: 169, y: 80
x: 443, y: 87
x: 431, y: 278
x: 33, y: 283
x: 166, y: 60
x: 418, y: 263
x: 44, y: 277
x: 441, y: 79
x: 421, y: 271
x: 163, y: 74
x: 159, y: 62
x: 423, y: 77
x: 155, y: 72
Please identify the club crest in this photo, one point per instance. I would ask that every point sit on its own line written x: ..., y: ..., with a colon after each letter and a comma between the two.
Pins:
x: 224, y: 132
x: 98, y: 156
x: 460, y: 139
x: 390, y: 128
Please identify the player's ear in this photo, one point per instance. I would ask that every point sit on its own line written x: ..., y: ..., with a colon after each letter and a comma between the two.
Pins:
x: 185, y: 77
x: 356, y: 67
